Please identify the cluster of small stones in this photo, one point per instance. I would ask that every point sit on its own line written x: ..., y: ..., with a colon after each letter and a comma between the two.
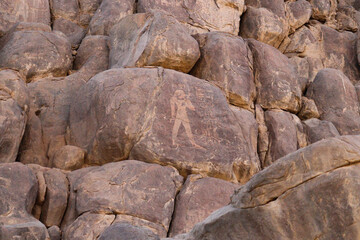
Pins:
x: 136, y: 119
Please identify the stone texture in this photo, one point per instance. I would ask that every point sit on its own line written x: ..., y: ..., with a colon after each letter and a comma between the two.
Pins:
x: 323, y: 10
x: 152, y: 39
x: 263, y: 134
x: 93, y: 54
x: 123, y: 231
x: 282, y: 135
x: 36, y: 54
x: 200, y: 16
x: 14, y: 104
x: 88, y: 226
x: 147, y: 191
x: 13, y: 11
x: 299, y: 13
x: 74, y: 32
x: 264, y: 26
x: 145, y: 121
x: 68, y: 158
x: 336, y: 99
x: 346, y: 17
x: 56, y: 197
x: 308, y: 109
x: 197, y: 199
x: 46, y: 128
x: 108, y: 14
x: 276, y: 78
x: 54, y: 233
x: 317, y: 130
x: 18, y: 191
x: 314, y: 187
x: 227, y: 62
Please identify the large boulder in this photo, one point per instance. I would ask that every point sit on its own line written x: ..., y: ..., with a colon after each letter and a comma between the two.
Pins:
x: 125, y: 231
x: 108, y: 14
x: 317, y: 130
x: 139, y: 190
x: 13, y: 11
x: 200, y: 16
x: 18, y: 191
x: 306, y: 195
x: 35, y: 53
x: 323, y: 10
x: 336, y: 99
x: 226, y: 61
x: 14, y: 104
x: 122, y: 113
x: 276, y: 78
x: 299, y: 13
x: 152, y: 39
x: 197, y: 199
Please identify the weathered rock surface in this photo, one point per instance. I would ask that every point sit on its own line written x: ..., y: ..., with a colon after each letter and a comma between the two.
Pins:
x: 165, y: 101
x: 56, y: 197
x: 13, y: 11
x: 68, y: 158
x: 54, y: 233
x: 276, y: 78
x: 18, y: 191
x: 314, y: 187
x: 299, y: 13
x: 323, y: 10
x: 200, y: 16
x: 282, y: 135
x: 226, y: 61
x: 264, y: 26
x: 108, y: 14
x: 36, y: 54
x: 152, y: 39
x: 74, y: 32
x: 336, y: 99
x: 195, y: 202
x: 14, y: 104
x: 317, y: 130
x: 147, y: 191
x: 123, y: 231
x: 308, y: 109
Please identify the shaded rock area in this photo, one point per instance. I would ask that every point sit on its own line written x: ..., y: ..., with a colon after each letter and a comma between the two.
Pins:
x: 187, y: 119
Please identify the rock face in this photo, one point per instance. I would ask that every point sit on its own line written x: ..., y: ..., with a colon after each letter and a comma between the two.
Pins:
x: 147, y: 192
x: 317, y: 130
x: 195, y: 202
x: 299, y: 13
x: 336, y: 99
x: 18, y: 191
x: 68, y: 158
x: 14, y: 104
x: 36, y: 54
x: 108, y: 14
x: 234, y: 73
x: 200, y: 16
x: 152, y: 39
x: 166, y: 102
x: 124, y: 231
x: 12, y: 12
x: 276, y: 78
x: 319, y: 203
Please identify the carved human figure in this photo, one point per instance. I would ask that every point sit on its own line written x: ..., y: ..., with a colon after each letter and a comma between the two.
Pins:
x: 179, y: 104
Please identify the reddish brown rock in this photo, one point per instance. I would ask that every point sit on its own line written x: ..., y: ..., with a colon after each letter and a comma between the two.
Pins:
x: 299, y: 13
x: 184, y: 106
x: 18, y: 191
x: 74, y: 32
x: 36, y: 54
x: 317, y: 130
x: 54, y: 233
x: 263, y: 134
x: 56, y: 197
x: 152, y: 39
x: 68, y: 158
x: 308, y: 109
x: 282, y: 135
x: 92, y: 55
x: 13, y: 11
x: 226, y: 61
x: 14, y: 104
x: 314, y: 187
x: 323, y: 9
x: 200, y: 16
x: 276, y: 78
x: 147, y: 191
x: 108, y: 14
x: 88, y: 226
x: 336, y: 99
x: 197, y: 199
x: 124, y: 231
x: 346, y: 17
x: 264, y: 26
